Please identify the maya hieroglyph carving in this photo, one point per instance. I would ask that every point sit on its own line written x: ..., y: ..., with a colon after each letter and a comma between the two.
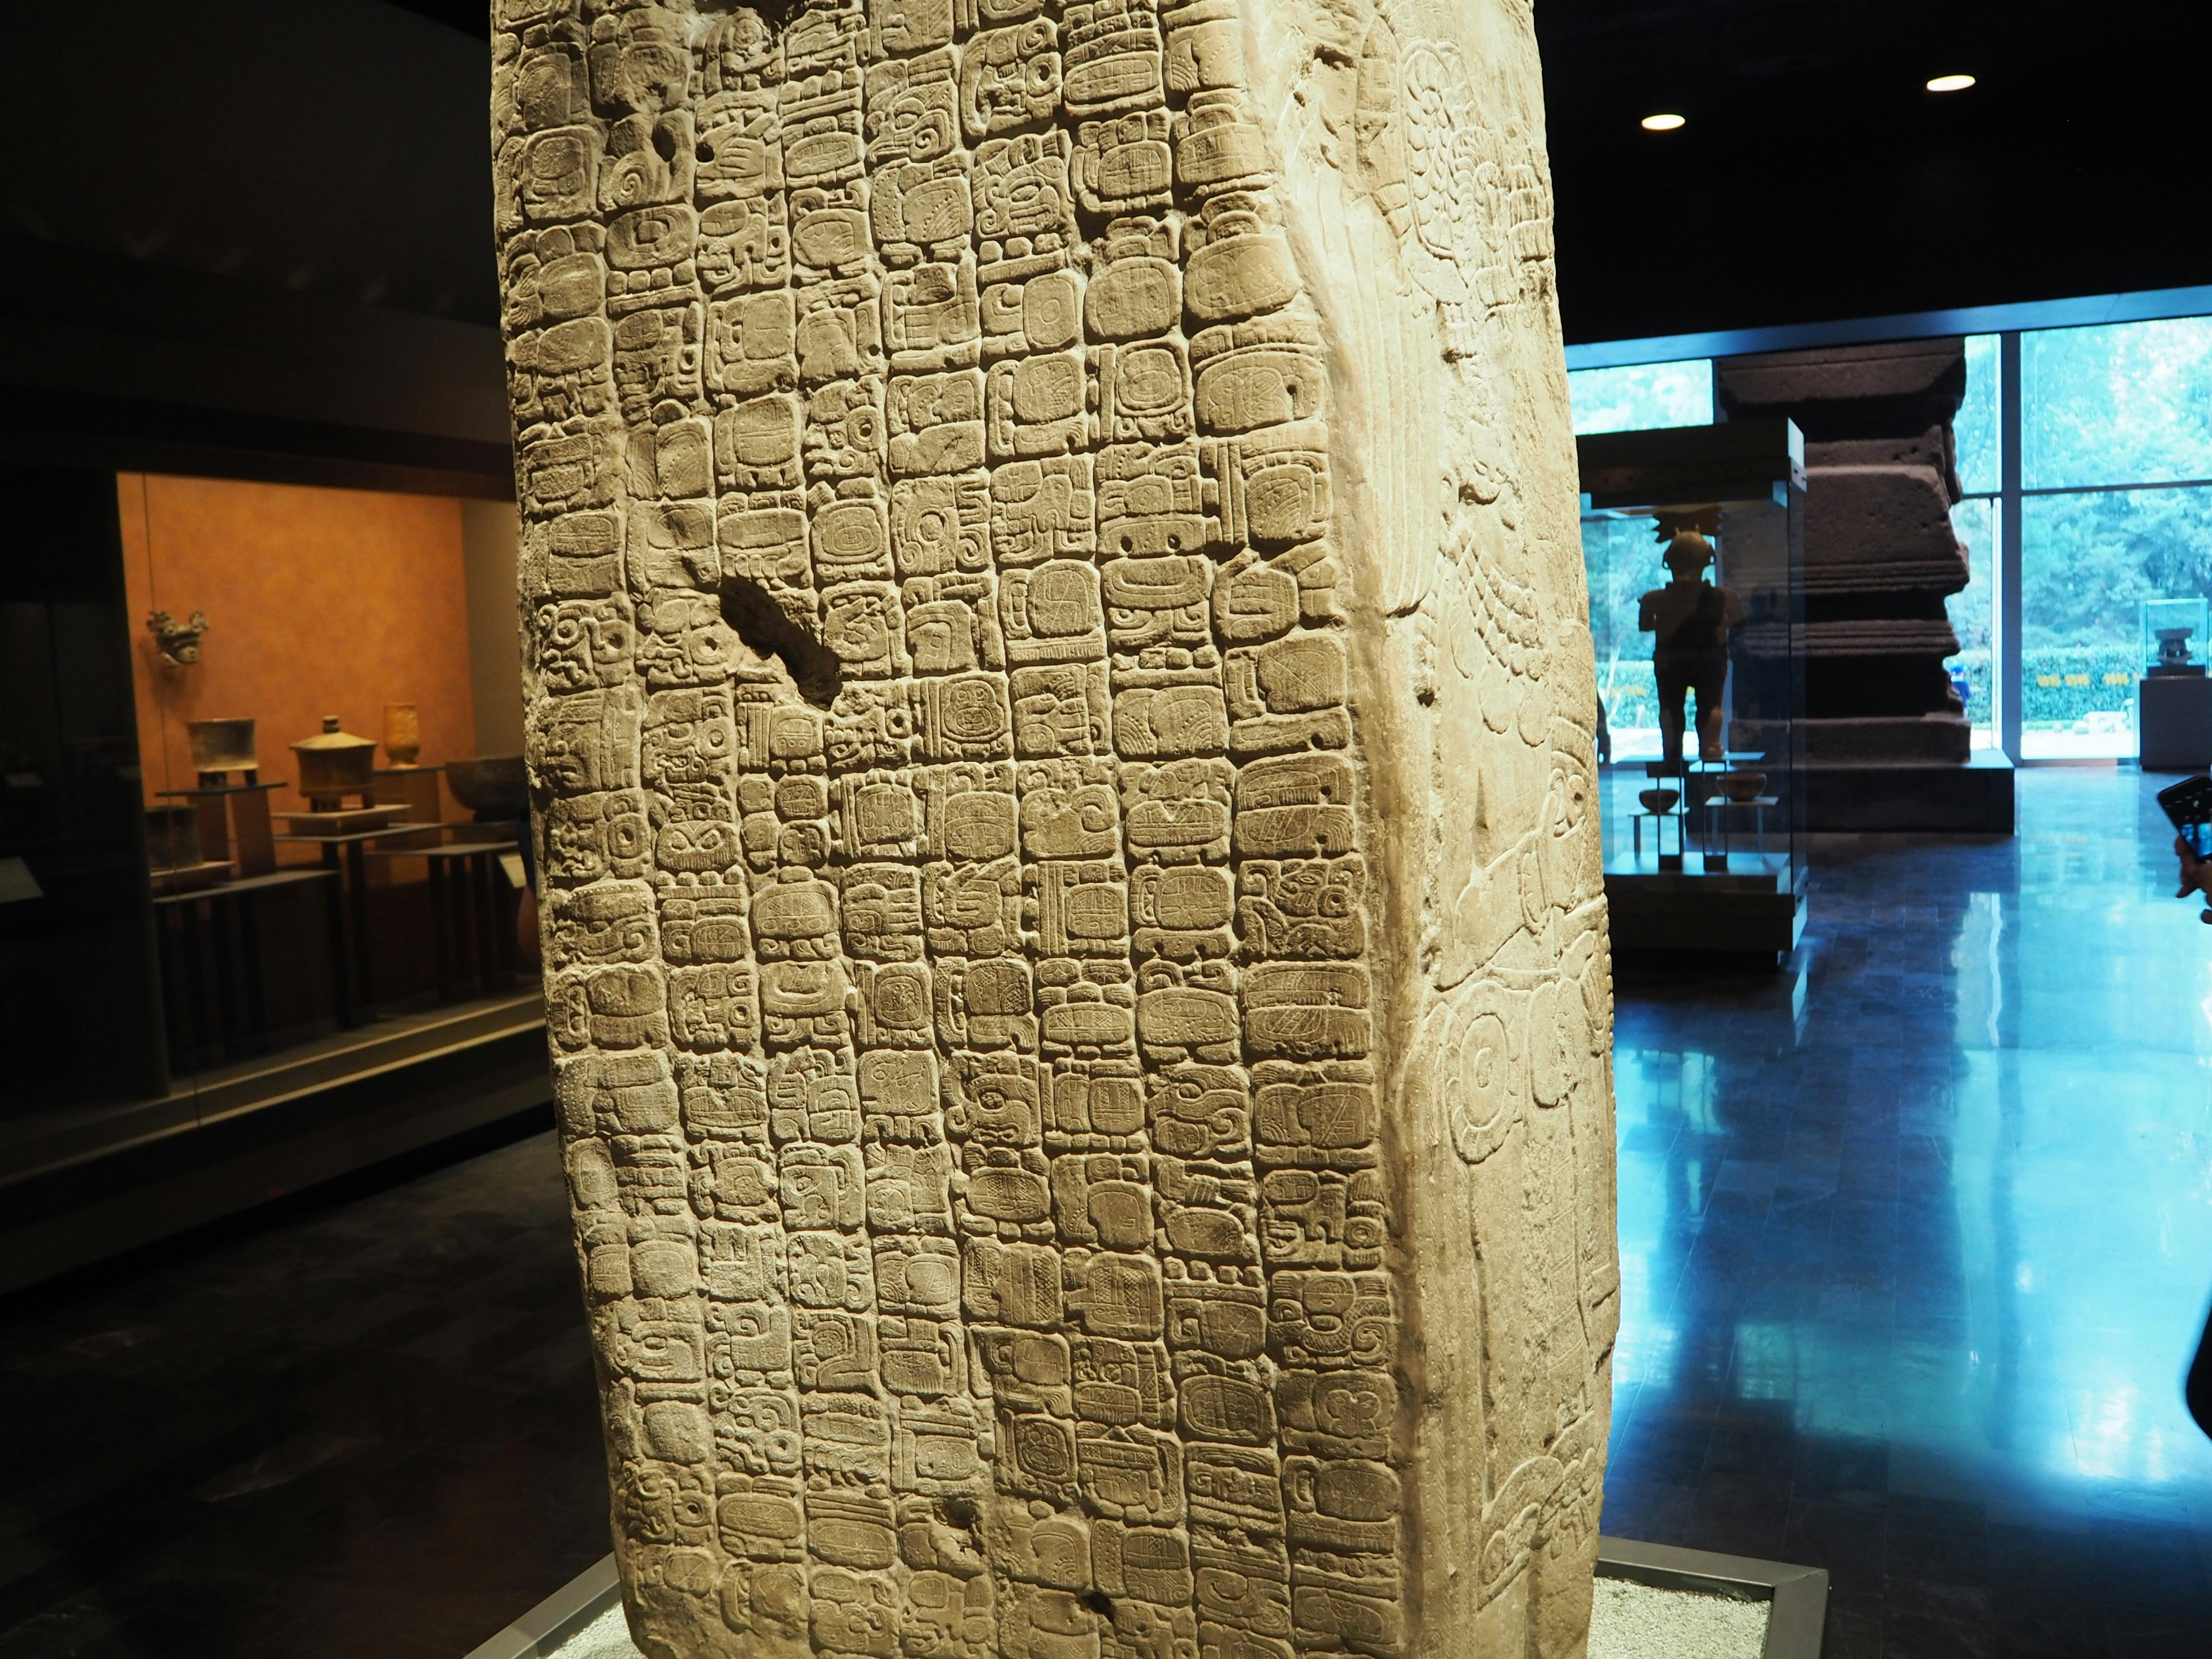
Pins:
x: 1060, y: 725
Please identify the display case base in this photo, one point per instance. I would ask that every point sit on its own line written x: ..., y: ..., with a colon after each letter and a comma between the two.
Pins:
x: 85, y: 1185
x: 2173, y: 721
x: 1975, y: 798
x: 1751, y: 912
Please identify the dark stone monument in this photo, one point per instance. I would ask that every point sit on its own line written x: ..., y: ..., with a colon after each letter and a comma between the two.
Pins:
x: 1887, y: 739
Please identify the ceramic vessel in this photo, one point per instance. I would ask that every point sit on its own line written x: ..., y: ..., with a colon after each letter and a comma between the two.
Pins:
x: 173, y: 837
x: 495, y: 787
x: 333, y: 764
x: 1743, y: 785
x: 403, y: 733
x: 1660, y: 800
x: 221, y: 745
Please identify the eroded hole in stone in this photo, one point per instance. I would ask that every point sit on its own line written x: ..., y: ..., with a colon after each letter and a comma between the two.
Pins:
x: 764, y: 624
x: 778, y: 14
x: 1099, y: 1602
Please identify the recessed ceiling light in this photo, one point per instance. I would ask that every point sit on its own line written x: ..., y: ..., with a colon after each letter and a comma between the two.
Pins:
x: 1660, y: 122
x: 1951, y: 83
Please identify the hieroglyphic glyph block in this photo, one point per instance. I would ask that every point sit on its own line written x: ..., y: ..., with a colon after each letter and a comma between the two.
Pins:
x: 1060, y: 725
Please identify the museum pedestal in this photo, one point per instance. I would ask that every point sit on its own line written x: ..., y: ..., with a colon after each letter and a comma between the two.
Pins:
x: 1976, y: 799
x: 2173, y: 722
x: 1754, y: 913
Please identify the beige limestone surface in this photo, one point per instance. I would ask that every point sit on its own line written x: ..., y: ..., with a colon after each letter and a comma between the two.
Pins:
x: 1059, y: 707
x: 1642, y: 1622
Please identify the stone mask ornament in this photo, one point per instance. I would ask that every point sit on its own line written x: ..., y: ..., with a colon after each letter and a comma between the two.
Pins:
x: 178, y: 642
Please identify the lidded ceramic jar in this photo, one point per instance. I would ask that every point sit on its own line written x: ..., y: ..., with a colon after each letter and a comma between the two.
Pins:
x: 333, y: 764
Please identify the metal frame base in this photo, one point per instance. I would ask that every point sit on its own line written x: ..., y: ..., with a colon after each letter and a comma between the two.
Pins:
x: 539, y: 1632
x: 1793, y: 1624
x: 1799, y: 1594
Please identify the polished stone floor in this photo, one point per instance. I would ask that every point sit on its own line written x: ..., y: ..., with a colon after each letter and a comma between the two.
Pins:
x: 1917, y: 1237
x: 362, y: 1427
x: 1916, y: 1240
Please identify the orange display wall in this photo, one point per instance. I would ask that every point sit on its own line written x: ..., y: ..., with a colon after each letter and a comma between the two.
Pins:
x: 318, y: 601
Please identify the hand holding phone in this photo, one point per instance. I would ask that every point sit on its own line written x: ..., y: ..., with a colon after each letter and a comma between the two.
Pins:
x: 2189, y: 805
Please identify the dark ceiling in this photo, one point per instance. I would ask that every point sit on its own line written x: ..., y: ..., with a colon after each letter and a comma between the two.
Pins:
x: 339, y: 150
x: 1817, y: 179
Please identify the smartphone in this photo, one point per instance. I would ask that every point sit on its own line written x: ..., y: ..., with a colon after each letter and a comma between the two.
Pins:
x: 2188, y: 803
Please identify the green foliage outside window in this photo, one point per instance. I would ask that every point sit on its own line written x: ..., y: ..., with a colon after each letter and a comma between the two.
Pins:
x: 1974, y: 428
x: 1640, y: 396
x: 2089, y: 561
x: 2130, y: 403
x: 2061, y: 686
x: 1622, y: 558
x: 2125, y: 404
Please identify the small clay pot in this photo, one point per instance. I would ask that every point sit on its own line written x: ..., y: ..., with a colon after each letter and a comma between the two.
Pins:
x: 173, y: 837
x: 1743, y: 785
x: 221, y: 745
x: 1660, y: 800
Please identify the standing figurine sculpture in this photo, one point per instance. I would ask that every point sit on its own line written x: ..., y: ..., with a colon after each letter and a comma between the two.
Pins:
x: 1061, y: 735
x: 1690, y: 620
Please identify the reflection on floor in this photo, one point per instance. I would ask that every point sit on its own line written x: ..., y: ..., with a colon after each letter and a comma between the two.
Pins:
x: 1916, y: 1240
x: 363, y: 1429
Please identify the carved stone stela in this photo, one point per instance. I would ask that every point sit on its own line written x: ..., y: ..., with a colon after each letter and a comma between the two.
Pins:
x: 1059, y: 731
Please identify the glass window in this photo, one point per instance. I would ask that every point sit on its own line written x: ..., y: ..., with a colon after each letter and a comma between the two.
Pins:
x: 1641, y: 395
x: 1975, y: 520
x: 2131, y: 403
x: 79, y: 1023
x: 1974, y: 430
x: 2087, y: 562
x: 1622, y: 557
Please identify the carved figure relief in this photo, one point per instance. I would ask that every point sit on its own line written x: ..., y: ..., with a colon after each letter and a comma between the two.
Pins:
x: 1059, y: 706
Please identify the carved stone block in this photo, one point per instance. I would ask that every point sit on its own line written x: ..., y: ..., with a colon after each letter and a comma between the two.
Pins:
x: 1059, y: 704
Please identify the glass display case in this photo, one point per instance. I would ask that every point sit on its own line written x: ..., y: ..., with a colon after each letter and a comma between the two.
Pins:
x: 2173, y: 697
x: 2175, y: 633
x: 1693, y: 538
x: 208, y: 908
